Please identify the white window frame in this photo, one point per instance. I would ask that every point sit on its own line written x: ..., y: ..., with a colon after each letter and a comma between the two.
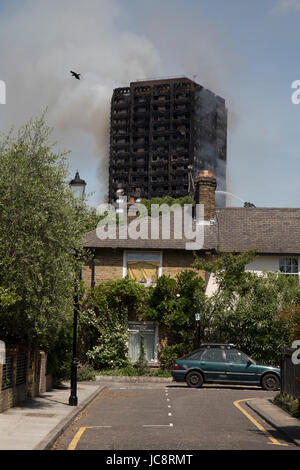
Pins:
x: 126, y: 252
x: 290, y: 274
x: 130, y: 325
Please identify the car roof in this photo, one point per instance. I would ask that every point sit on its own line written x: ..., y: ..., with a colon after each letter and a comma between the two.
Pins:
x: 218, y: 345
x: 208, y: 346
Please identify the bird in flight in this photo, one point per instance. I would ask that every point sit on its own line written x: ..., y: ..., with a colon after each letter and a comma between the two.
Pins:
x: 76, y: 75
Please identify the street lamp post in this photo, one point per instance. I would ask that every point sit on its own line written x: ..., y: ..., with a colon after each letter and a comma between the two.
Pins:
x: 73, y: 400
x: 78, y: 187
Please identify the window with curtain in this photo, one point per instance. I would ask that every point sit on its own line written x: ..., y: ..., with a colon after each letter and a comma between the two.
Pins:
x: 143, y: 267
x: 289, y: 265
x: 149, y: 332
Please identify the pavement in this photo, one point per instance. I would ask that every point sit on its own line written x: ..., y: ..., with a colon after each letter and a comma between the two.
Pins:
x: 278, y: 418
x: 36, y: 424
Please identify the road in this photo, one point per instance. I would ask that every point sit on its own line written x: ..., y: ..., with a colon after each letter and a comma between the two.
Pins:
x: 172, y: 417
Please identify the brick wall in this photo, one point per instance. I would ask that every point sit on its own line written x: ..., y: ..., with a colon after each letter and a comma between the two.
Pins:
x: 109, y: 264
x: 176, y: 261
x: 33, y: 369
x: 205, y: 187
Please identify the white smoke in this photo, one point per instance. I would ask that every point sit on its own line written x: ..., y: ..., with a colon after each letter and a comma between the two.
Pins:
x: 285, y: 6
x: 43, y: 42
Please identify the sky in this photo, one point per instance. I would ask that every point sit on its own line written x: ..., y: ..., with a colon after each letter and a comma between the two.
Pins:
x: 245, y: 51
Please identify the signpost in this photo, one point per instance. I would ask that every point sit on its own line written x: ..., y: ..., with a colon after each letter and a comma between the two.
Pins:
x: 197, y: 318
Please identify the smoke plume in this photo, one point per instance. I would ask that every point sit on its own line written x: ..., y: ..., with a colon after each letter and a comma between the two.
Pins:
x: 43, y: 42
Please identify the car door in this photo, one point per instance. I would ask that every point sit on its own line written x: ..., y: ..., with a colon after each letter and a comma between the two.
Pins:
x: 240, y: 368
x: 213, y: 364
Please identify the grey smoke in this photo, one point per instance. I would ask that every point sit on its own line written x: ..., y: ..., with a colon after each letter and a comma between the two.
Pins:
x: 43, y: 42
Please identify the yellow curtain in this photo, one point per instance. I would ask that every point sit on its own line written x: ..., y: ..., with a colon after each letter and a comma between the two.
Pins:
x: 143, y: 271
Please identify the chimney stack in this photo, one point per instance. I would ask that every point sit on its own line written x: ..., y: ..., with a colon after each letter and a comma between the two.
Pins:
x: 205, y: 187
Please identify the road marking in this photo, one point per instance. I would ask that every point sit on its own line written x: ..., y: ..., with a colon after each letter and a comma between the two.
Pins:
x: 157, y: 425
x: 73, y: 444
x: 76, y: 438
x: 258, y: 425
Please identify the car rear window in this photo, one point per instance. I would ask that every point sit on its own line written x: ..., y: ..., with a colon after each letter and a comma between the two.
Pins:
x: 194, y: 356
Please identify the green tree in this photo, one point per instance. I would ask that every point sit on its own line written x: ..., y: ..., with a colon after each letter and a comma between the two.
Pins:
x: 291, y: 316
x: 173, y: 301
x: 245, y: 308
x: 7, y: 298
x: 40, y: 232
x: 166, y: 202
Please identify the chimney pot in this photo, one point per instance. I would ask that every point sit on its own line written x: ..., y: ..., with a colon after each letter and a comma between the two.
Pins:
x: 206, y: 173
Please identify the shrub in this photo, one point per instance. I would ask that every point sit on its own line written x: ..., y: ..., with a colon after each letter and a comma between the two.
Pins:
x: 288, y: 403
x: 141, y: 366
x: 170, y: 353
x: 85, y: 372
x: 128, y: 370
x: 103, y: 321
x: 111, y: 350
x: 60, y: 356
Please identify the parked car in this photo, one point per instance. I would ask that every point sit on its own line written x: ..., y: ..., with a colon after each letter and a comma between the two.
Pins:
x: 223, y: 363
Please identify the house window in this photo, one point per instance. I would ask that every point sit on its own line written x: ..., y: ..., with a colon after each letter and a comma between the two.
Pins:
x: 288, y: 266
x: 143, y: 267
x: 147, y: 330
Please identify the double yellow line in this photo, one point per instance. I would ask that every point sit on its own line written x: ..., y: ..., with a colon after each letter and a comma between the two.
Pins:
x: 76, y: 438
x: 257, y: 424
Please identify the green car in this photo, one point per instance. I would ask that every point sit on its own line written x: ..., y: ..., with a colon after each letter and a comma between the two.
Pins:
x: 223, y: 363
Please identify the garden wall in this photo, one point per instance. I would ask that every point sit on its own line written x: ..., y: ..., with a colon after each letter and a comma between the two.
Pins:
x: 22, y: 376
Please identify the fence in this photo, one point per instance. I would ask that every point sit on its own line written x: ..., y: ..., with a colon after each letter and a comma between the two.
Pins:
x: 22, y: 375
x: 290, y: 374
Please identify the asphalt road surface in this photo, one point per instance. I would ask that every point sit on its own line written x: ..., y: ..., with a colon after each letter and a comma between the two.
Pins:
x: 172, y: 417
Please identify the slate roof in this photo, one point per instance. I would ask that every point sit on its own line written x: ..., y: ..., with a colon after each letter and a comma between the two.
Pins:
x: 267, y: 230
x: 234, y: 229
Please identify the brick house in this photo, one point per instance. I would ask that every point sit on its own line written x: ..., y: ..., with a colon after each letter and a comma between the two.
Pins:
x: 273, y: 232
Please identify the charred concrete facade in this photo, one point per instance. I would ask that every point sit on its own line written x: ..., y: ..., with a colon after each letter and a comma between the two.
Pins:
x: 163, y: 132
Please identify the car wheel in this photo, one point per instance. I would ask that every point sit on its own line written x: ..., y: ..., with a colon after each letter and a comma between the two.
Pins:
x: 270, y: 382
x: 194, y: 379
